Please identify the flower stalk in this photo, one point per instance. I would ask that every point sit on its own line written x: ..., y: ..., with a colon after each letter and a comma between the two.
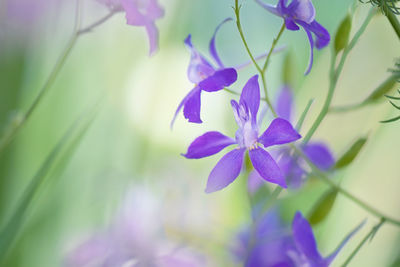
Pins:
x: 10, y: 134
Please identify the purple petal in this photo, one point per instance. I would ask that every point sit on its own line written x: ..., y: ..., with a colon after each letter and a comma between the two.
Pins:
x: 292, y: 171
x: 226, y: 170
x: 266, y: 166
x: 250, y: 96
x: 254, y: 182
x: 331, y: 257
x: 152, y: 33
x: 304, y: 238
x: 140, y: 16
x: 91, y: 251
x: 219, y: 80
x: 154, y: 10
x: 191, y: 109
x: 320, y: 155
x: 270, y: 8
x: 291, y: 25
x: 190, y: 100
x: 213, y: 50
x: 279, y: 132
x: 199, y: 68
x: 311, y: 41
x: 322, y: 34
x: 284, y: 104
x: 302, y: 10
x: 322, y: 38
x: 208, y: 144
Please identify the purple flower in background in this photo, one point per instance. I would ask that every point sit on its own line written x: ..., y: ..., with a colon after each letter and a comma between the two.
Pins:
x: 205, y: 76
x: 301, y: 13
x: 291, y: 165
x: 134, y: 238
x: 280, y: 131
x: 269, y: 243
x: 140, y: 13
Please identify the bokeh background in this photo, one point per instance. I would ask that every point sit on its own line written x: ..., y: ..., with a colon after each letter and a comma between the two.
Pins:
x: 130, y: 146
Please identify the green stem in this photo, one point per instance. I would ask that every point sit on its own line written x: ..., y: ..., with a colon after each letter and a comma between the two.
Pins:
x: 11, y: 133
x: 274, y: 43
x: 321, y: 175
x: 346, y: 108
x: 334, y: 76
x: 260, y: 71
x: 394, y: 22
x: 239, y: 27
x: 368, y: 236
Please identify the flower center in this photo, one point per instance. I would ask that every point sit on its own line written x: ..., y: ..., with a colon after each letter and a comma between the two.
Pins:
x: 247, y: 134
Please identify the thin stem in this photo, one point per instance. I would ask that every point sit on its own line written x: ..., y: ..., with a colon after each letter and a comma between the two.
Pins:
x: 334, y: 75
x: 321, y: 175
x: 11, y: 133
x: 368, y: 236
x: 394, y: 22
x: 274, y: 42
x: 303, y: 115
x: 239, y: 27
x: 346, y: 108
x: 97, y: 23
x: 260, y: 71
x: 271, y: 107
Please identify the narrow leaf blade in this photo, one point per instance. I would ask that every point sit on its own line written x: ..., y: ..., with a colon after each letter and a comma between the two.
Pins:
x: 351, y: 153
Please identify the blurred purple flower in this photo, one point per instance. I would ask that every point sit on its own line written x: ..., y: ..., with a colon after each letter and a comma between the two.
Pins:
x: 301, y: 12
x: 135, y: 238
x: 228, y: 168
x: 291, y: 165
x: 269, y: 244
x: 205, y: 76
x: 140, y: 13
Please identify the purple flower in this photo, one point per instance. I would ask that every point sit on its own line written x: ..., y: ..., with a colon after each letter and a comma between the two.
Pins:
x: 291, y: 165
x: 247, y: 138
x: 301, y: 13
x: 205, y: 76
x: 270, y: 243
x: 140, y: 13
x: 134, y: 238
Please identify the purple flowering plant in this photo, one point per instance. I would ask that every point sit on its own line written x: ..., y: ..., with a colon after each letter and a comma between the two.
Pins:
x: 247, y: 138
x: 206, y: 76
x: 271, y: 243
x: 277, y: 154
x: 301, y: 13
x: 142, y: 13
x: 292, y: 166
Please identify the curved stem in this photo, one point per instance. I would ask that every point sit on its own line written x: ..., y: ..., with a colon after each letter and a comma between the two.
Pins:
x: 239, y: 27
x: 260, y: 71
x: 274, y: 42
x: 368, y: 236
x: 334, y: 75
x: 10, y: 133
x: 97, y: 23
x: 321, y: 175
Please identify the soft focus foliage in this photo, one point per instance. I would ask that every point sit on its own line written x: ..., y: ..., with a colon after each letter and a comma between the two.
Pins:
x: 94, y: 176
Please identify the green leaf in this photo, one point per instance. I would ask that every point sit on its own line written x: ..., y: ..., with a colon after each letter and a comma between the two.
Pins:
x: 382, y: 89
x: 322, y: 208
x: 343, y: 34
x: 391, y: 120
x: 351, y: 154
x: 66, y: 146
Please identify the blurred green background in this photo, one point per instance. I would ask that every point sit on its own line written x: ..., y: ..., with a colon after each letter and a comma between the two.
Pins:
x: 130, y: 143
